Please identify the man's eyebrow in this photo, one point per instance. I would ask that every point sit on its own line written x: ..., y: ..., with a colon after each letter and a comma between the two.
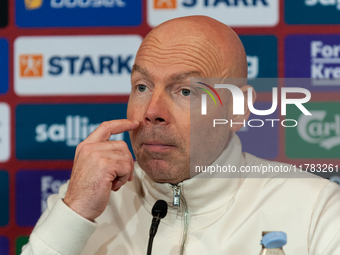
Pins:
x: 174, y: 78
x: 183, y: 76
x: 143, y: 71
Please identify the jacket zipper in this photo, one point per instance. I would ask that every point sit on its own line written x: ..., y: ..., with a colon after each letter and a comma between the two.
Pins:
x: 178, y: 197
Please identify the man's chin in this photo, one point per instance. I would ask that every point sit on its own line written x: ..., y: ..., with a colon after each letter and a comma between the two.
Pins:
x: 160, y: 171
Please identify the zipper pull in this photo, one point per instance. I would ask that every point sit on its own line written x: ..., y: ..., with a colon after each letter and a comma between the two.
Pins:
x: 177, y: 194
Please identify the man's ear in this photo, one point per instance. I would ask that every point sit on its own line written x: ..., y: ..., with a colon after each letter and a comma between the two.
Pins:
x: 240, y: 119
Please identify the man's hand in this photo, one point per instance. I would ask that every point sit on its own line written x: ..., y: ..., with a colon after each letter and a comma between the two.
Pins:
x: 99, y: 166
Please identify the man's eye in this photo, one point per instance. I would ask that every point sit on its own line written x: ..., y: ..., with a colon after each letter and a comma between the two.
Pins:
x: 185, y: 92
x: 141, y: 88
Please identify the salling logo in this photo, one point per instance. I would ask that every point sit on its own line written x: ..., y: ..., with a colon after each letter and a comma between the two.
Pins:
x: 325, y: 63
x: 72, y: 132
x: 313, y: 129
x: 238, y: 104
x: 335, y: 3
x: 31, y: 65
x: 57, y: 4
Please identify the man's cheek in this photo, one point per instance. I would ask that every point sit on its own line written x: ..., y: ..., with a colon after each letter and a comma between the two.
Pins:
x: 128, y: 112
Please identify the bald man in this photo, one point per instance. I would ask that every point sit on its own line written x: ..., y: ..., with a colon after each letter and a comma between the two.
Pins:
x: 106, y: 206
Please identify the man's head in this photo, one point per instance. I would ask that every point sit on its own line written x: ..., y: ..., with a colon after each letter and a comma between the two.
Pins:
x: 171, y: 54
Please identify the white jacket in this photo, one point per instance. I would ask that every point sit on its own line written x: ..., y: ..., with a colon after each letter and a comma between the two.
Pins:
x: 224, y: 216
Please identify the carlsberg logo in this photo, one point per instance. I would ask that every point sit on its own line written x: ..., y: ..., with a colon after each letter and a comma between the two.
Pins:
x: 313, y: 129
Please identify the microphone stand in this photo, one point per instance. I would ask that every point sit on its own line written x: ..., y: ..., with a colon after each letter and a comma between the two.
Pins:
x: 150, y: 245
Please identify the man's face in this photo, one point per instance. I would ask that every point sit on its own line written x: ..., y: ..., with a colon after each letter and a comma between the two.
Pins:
x: 160, y: 101
x: 193, y: 47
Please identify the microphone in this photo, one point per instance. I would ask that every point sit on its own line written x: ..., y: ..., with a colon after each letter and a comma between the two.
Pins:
x: 159, y: 211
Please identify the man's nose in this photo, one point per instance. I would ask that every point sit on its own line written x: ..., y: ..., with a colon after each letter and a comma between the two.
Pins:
x: 158, y: 109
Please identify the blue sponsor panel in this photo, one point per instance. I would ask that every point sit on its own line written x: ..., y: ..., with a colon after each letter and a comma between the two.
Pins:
x: 4, y: 198
x: 262, y: 61
x: 316, y: 58
x: 69, y: 13
x: 262, y: 140
x: 32, y: 190
x: 3, y: 66
x: 312, y: 11
x: 53, y: 131
x: 4, y: 245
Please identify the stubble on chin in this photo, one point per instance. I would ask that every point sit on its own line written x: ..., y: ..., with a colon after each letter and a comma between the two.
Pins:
x: 172, y: 166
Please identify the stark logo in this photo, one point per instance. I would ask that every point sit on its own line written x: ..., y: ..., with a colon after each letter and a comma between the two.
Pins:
x: 31, y: 65
x: 164, y: 4
x: 33, y: 4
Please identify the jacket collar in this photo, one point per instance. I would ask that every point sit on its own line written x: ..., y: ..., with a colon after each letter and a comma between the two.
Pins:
x: 205, y: 192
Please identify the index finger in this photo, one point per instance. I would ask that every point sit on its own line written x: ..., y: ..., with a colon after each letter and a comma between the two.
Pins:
x: 108, y: 128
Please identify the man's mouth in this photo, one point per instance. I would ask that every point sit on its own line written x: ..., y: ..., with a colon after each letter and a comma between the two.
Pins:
x: 156, y: 146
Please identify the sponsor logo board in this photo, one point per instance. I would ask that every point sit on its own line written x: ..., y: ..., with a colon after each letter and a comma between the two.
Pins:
x: 54, y: 131
x: 314, y: 11
x: 262, y: 61
x: 4, y: 132
x: 3, y: 65
x: 231, y: 12
x: 317, y: 135
x: 74, y: 65
x: 73, y: 13
x: 314, y: 57
x: 32, y: 190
